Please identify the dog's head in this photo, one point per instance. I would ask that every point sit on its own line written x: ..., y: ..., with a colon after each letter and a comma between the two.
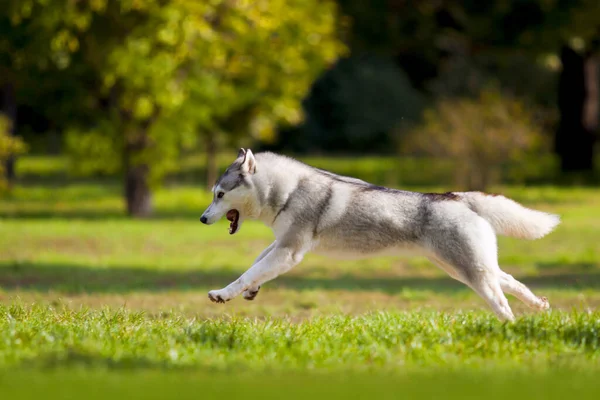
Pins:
x: 233, y: 194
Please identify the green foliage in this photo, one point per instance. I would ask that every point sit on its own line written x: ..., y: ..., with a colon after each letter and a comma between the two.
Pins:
x: 40, y: 34
x: 9, y: 146
x: 135, y: 82
x: 481, y: 135
x: 171, y: 70
x: 39, y: 48
x: 94, y: 151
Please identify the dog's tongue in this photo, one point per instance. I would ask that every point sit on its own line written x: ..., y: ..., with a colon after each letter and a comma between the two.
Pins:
x: 233, y: 216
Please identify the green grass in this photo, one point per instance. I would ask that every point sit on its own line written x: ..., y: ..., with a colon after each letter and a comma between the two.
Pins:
x: 103, y: 353
x: 92, y: 302
x: 409, y: 354
x: 381, y: 341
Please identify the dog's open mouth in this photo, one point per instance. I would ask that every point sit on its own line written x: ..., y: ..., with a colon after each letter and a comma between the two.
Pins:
x: 234, y: 217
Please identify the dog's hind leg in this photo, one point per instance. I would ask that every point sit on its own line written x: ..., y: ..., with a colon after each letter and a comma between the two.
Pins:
x: 512, y: 286
x: 482, y: 284
x: 470, y: 256
x: 446, y: 267
x: 487, y: 285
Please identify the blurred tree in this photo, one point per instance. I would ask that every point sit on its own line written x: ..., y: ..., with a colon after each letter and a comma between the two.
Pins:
x: 269, y: 54
x: 22, y: 50
x: 38, y: 41
x: 9, y: 147
x: 171, y: 69
x: 481, y: 135
x: 9, y: 107
x: 578, y: 104
x: 452, y: 46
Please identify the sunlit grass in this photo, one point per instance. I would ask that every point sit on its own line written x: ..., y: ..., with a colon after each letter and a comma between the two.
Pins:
x: 378, y: 341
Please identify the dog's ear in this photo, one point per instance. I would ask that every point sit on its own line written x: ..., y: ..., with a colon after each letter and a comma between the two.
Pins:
x: 249, y: 163
x: 241, y: 154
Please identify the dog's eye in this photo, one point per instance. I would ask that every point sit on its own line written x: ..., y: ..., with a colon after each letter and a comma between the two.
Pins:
x: 220, y: 194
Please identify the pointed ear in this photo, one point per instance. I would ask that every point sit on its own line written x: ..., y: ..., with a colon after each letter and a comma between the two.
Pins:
x: 249, y: 163
x: 241, y: 154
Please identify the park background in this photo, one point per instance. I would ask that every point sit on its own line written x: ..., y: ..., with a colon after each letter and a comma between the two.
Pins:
x: 117, y: 116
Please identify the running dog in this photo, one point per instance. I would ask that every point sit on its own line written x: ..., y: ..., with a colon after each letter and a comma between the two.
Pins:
x: 310, y: 209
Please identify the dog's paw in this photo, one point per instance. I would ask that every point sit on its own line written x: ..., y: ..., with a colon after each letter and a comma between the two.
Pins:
x: 217, y: 296
x: 250, y: 294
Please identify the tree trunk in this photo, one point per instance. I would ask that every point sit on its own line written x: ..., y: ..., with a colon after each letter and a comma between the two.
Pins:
x: 137, y: 189
x: 578, y: 103
x: 9, y: 108
x: 211, y: 160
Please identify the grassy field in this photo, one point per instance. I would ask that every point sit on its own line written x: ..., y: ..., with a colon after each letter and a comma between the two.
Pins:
x: 89, y: 299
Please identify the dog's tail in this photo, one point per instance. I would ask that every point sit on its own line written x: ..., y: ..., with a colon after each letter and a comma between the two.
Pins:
x: 508, y: 217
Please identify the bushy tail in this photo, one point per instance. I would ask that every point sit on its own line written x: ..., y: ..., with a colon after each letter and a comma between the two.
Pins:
x: 508, y: 217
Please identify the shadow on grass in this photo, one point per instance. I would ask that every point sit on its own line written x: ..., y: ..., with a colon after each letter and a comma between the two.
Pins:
x: 84, y: 279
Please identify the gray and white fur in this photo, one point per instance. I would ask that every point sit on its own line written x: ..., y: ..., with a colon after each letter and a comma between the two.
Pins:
x: 310, y: 209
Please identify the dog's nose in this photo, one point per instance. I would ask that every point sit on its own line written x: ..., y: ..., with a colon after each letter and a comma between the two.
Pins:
x: 203, y: 219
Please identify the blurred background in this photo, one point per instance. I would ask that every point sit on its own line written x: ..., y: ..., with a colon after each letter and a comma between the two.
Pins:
x: 460, y: 94
x: 118, y: 115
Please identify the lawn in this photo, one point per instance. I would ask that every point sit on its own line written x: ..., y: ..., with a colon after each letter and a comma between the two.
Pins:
x: 89, y: 298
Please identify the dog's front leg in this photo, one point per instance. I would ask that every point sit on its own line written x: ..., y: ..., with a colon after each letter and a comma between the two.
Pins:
x: 251, y: 292
x: 278, y: 261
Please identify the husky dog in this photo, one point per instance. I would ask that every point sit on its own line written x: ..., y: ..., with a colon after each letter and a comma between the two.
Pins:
x: 310, y: 209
